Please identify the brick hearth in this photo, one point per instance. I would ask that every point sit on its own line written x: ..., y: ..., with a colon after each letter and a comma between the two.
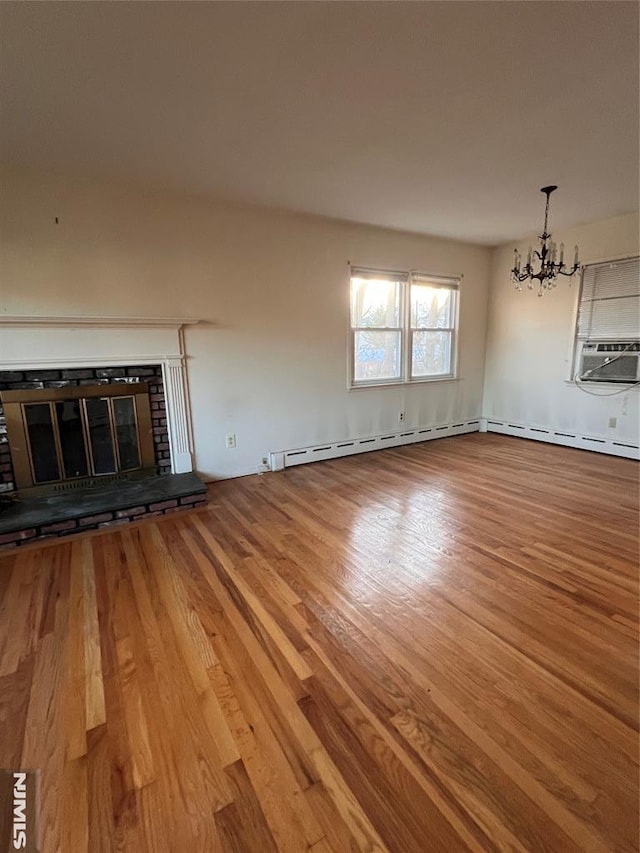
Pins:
x: 120, y: 503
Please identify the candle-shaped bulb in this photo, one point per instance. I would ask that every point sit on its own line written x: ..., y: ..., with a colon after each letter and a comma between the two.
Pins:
x: 575, y: 260
x: 561, y: 253
x: 529, y: 257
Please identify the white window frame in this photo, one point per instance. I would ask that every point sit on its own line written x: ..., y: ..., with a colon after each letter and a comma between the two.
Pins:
x: 580, y: 339
x: 404, y: 280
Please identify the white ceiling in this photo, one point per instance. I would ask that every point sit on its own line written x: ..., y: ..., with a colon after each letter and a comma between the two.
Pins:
x: 439, y: 117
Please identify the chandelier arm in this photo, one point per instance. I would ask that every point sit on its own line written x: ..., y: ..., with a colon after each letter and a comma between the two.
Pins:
x: 571, y: 272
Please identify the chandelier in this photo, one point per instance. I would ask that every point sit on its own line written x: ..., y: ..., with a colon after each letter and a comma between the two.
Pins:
x: 550, y: 260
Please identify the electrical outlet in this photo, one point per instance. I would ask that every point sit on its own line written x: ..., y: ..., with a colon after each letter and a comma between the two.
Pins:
x: 400, y: 416
x: 613, y: 422
x: 230, y: 440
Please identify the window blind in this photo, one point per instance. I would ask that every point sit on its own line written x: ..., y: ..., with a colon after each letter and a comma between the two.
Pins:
x: 434, y: 280
x: 610, y: 301
x: 378, y: 275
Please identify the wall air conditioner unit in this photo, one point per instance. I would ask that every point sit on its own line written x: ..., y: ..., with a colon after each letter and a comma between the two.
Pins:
x: 610, y: 361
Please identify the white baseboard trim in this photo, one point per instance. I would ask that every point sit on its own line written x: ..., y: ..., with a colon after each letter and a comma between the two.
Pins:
x: 599, y: 444
x: 332, y: 450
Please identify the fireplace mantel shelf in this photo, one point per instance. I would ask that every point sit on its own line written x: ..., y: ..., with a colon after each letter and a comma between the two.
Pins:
x: 112, y: 322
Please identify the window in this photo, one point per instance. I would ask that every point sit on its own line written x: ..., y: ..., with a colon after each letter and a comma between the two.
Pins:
x: 608, y: 318
x: 610, y: 302
x: 403, y: 327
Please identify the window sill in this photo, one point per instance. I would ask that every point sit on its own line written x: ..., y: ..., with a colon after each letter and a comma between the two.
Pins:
x: 402, y: 383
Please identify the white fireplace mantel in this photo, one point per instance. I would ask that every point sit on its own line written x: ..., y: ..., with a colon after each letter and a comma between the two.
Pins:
x: 87, y: 320
x: 38, y: 343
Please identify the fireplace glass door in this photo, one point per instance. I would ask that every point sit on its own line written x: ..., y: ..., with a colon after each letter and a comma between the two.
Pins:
x: 44, y: 457
x: 106, y: 431
x: 71, y: 433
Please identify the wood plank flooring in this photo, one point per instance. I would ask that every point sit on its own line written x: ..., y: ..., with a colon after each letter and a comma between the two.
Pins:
x: 420, y: 649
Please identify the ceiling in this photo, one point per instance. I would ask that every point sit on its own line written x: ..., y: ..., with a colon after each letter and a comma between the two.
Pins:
x: 438, y: 117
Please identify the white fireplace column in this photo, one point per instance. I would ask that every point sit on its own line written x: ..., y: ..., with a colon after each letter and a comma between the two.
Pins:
x: 177, y: 415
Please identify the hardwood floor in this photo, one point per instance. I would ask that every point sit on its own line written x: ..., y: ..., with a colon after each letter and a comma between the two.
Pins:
x: 421, y: 649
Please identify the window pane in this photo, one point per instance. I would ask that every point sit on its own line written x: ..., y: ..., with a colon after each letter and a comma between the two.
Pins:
x: 42, y: 442
x: 431, y: 307
x: 104, y: 461
x: 71, y: 434
x: 375, y: 302
x: 431, y: 354
x: 126, y: 432
x: 376, y: 356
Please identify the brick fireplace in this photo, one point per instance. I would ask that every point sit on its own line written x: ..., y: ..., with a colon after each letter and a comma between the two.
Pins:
x: 80, y: 377
x: 60, y: 355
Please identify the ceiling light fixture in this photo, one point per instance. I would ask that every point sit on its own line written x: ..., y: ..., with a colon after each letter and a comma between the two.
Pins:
x: 550, y: 268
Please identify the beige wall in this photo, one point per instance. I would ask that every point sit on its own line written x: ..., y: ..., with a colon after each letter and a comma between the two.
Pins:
x: 270, y: 363
x: 530, y: 343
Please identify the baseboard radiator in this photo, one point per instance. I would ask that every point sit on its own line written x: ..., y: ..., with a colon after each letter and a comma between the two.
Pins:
x: 300, y: 456
x: 567, y: 438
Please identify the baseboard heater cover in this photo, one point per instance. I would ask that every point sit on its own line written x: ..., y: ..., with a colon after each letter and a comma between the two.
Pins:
x: 299, y: 456
x: 594, y: 443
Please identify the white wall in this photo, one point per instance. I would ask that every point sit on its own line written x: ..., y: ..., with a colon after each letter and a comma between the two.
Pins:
x: 530, y: 343
x: 270, y: 362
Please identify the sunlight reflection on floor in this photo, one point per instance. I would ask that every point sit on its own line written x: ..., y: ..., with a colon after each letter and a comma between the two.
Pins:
x: 381, y: 564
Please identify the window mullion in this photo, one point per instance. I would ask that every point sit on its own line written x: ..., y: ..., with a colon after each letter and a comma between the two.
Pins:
x: 407, y: 337
x: 376, y: 328
x: 432, y: 328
